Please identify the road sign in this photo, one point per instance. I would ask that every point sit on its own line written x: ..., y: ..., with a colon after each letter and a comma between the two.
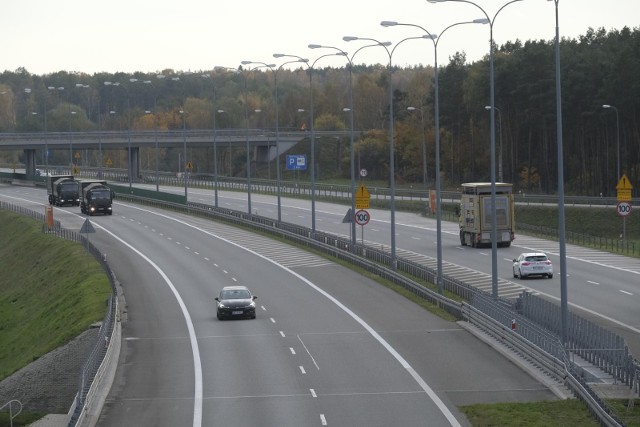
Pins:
x: 363, y: 172
x: 296, y: 162
x: 362, y: 217
x: 348, y: 218
x: 362, y: 197
x: 623, y: 208
x: 189, y: 166
x: 624, y: 188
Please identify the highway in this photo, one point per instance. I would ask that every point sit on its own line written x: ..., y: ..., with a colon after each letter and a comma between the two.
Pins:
x: 328, y: 347
x: 602, y: 286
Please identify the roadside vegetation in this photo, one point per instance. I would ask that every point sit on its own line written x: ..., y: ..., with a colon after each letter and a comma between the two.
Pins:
x: 51, y: 290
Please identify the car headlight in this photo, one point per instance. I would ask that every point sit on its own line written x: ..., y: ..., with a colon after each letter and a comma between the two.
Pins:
x: 252, y: 304
x: 221, y: 305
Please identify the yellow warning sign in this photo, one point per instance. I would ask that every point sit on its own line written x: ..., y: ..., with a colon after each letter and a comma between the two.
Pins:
x: 623, y: 189
x: 189, y: 166
x: 362, y: 197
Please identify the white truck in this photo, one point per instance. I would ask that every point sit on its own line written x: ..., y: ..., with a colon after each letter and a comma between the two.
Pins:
x: 96, y: 197
x: 476, y: 214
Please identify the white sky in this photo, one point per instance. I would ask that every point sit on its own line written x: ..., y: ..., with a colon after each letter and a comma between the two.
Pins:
x: 90, y: 36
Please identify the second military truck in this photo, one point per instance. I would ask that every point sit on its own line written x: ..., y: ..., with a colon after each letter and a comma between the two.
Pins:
x: 476, y: 214
x: 96, y: 197
x: 63, y: 190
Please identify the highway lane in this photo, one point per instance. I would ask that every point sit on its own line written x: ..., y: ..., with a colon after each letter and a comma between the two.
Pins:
x: 306, y: 360
x: 600, y: 284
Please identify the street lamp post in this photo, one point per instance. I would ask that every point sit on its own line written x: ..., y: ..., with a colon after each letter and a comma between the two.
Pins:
x: 424, y: 148
x: 50, y: 88
x: 392, y: 179
x: 618, y: 176
x: 564, y: 303
x: 275, y: 72
x: 500, y: 176
x: 184, y: 149
x: 436, y: 40
x: 155, y: 129
x: 310, y: 69
x: 494, y: 225
x: 350, y: 110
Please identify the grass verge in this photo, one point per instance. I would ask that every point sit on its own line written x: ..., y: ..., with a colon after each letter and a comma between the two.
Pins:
x: 51, y: 290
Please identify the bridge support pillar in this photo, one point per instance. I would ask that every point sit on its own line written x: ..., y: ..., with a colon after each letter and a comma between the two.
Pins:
x: 30, y: 162
x: 135, y: 163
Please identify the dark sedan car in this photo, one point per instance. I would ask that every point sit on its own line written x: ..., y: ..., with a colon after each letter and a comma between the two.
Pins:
x: 236, y: 302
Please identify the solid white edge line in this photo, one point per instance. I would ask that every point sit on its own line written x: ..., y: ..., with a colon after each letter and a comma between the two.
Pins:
x: 197, y: 363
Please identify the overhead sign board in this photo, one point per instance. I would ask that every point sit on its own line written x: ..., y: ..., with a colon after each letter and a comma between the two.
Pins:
x: 623, y: 189
x: 362, y: 197
x: 297, y: 162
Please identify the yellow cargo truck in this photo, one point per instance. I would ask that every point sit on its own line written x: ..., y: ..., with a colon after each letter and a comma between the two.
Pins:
x: 476, y: 214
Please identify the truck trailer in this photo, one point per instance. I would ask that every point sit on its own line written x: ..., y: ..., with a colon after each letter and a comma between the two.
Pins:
x: 63, y: 190
x: 96, y: 197
x: 476, y: 214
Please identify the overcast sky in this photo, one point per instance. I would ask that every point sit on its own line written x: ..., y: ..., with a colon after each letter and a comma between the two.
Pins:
x: 90, y: 36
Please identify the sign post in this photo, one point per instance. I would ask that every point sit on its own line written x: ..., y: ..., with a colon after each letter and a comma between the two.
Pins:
x: 623, y: 190
x: 362, y: 218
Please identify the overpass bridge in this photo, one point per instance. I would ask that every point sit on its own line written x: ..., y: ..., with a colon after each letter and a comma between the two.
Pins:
x: 264, y: 143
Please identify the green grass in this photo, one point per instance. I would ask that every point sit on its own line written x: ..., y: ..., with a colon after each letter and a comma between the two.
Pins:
x: 51, y: 290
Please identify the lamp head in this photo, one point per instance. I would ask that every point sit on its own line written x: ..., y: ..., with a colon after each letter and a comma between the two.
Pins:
x: 278, y: 55
x: 246, y: 62
x: 349, y: 38
x: 606, y: 106
x: 487, y: 107
x: 314, y: 46
x: 411, y: 108
x: 480, y: 21
x: 388, y: 23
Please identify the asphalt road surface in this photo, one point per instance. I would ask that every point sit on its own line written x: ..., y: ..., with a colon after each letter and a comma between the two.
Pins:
x: 328, y: 347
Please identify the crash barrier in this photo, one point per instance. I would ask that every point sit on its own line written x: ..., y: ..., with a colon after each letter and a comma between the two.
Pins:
x: 93, y: 367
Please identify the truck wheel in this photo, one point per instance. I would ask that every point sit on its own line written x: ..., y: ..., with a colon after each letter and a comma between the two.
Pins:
x: 462, y: 238
x: 473, y: 240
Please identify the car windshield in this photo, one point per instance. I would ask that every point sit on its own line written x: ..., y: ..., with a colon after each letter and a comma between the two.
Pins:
x: 536, y: 258
x: 235, y: 294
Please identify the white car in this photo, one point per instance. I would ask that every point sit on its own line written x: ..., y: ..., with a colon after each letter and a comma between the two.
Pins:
x: 532, y: 264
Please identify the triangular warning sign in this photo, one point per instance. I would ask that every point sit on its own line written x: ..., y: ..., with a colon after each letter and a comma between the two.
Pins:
x: 348, y: 217
x: 87, y: 227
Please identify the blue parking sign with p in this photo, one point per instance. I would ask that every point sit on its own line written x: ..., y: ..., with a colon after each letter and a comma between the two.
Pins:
x: 297, y: 162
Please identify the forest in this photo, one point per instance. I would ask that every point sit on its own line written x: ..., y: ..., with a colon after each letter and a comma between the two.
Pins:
x: 600, y: 78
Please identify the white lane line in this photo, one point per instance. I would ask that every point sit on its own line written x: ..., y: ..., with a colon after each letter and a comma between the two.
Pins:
x: 197, y: 363
x: 272, y: 320
x: 292, y: 350
x: 625, y: 292
x: 592, y: 282
x: 282, y: 334
x: 302, y: 370
x: 323, y: 420
x: 308, y: 352
x: 262, y: 307
x: 313, y: 393
x: 428, y: 390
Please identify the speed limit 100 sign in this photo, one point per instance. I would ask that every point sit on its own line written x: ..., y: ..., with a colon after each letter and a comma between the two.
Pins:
x: 362, y: 217
x: 623, y: 208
